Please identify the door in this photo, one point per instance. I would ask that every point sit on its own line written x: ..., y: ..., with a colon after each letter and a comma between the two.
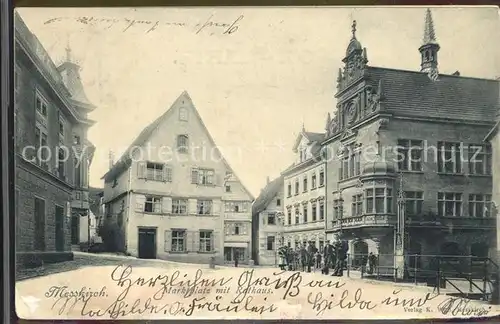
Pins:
x: 75, y: 229
x: 147, y: 243
x: 59, y: 228
x: 39, y: 214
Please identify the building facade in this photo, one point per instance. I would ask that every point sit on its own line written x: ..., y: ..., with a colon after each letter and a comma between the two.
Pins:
x: 304, y: 189
x: 408, y: 171
x: 47, y: 120
x: 173, y: 196
x: 267, y: 223
x: 493, y: 138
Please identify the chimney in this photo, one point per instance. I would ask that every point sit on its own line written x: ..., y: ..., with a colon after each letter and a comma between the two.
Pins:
x: 111, y: 159
x: 267, y: 180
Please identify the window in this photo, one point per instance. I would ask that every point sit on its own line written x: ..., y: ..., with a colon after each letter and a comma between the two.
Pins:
x: 228, y: 188
x: 204, y: 207
x: 449, y: 204
x: 152, y: 205
x: 278, y: 202
x: 154, y: 171
x: 413, y: 202
x: 357, y: 205
x: 479, y: 205
x: 449, y: 157
x: 305, y: 184
x: 289, y: 215
x: 313, y: 181
x: 206, y: 241
x: 61, y: 163
x: 350, y: 165
x: 271, y: 219
x: 314, y: 210
x: 41, y: 142
x: 410, y: 155
x: 304, y: 208
x: 289, y: 190
x: 238, y: 229
x: 321, y: 245
x: 182, y: 143
x: 183, y: 114
x: 61, y: 127
x: 321, y: 210
x: 480, y: 159
x: 321, y: 178
x: 78, y: 195
x: 379, y: 200
x: 203, y: 177
x: 337, y: 208
x: 270, y: 243
x: 236, y: 206
x: 297, y: 215
x: 179, y: 206
x: 178, y: 240
x: 41, y: 105
x: 76, y: 140
x: 296, y: 187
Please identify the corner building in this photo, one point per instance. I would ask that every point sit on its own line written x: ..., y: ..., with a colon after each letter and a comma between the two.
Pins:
x: 414, y: 137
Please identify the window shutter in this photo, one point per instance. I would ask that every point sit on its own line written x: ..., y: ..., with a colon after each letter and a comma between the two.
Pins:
x: 192, y: 207
x: 168, y: 240
x: 166, y: 205
x: 167, y: 173
x: 196, y: 241
x: 140, y: 200
x: 227, y: 228
x: 194, y: 176
x: 216, y: 241
x: 244, y: 228
x: 141, y: 170
x: 218, y: 179
x: 264, y: 219
x: 189, y: 238
x: 215, y: 207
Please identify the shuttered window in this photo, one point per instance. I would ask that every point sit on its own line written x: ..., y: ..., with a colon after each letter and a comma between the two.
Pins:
x: 206, y: 241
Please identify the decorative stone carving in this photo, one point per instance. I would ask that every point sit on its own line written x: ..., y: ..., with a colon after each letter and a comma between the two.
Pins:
x: 383, y: 123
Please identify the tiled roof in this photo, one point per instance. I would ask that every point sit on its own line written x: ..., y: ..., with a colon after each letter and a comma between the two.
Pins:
x: 267, y: 194
x: 415, y: 94
x: 315, y: 137
x: 72, y: 80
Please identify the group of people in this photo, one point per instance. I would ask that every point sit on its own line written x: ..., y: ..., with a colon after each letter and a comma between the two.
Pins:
x: 334, y: 256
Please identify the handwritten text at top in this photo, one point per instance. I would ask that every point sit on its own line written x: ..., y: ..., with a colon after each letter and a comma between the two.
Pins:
x: 210, y: 26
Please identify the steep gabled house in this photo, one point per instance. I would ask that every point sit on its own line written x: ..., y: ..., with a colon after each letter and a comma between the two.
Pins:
x: 267, y: 227
x: 175, y: 197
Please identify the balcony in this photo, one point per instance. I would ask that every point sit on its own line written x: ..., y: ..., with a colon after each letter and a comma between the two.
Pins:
x: 365, y: 220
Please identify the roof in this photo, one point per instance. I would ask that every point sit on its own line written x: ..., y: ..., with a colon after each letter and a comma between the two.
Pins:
x: 310, y: 136
x: 492, y: 132
x: 413, y: 93
x: 267, y: 194
x: 72, y: 80
x: 124, y: 161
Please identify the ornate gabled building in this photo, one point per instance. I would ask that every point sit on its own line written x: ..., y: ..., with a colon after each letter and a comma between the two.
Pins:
x: 304, y: 190
x: 50, y: 173
x: 407, y: 168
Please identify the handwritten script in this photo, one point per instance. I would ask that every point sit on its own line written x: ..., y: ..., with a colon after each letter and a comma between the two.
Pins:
x: 209, y: 26
x: 186, y: 294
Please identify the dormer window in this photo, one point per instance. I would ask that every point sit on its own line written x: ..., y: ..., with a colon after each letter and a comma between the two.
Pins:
x: 183, y: 114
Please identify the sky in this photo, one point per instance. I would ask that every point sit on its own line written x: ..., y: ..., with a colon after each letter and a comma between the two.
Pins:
x: 256, y: 75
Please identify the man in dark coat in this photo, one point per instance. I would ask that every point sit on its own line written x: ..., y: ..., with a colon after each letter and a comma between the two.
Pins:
x: 328, y: 256
x: 341, y: 253
x: 311, y: 249
x: 372, y: 259
x: 303, y: 256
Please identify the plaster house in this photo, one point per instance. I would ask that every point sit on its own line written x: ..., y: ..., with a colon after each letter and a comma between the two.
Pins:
x: 304, y: 189
x: 175, y: 197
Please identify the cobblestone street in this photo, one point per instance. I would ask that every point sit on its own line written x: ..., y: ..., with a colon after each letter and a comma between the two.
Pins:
x: 82, y: 260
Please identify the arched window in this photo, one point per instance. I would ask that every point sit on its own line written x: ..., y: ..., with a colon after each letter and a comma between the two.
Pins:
x: 182, y: 143
x: 360, y: 254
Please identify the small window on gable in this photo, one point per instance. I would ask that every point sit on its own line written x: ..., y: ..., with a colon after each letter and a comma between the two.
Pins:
x: 183, y: 114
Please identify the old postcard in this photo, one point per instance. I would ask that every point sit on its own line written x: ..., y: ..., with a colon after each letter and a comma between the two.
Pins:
x: 257, y: 163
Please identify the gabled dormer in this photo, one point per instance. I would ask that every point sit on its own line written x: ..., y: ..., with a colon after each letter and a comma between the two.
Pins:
x: 307, y: 145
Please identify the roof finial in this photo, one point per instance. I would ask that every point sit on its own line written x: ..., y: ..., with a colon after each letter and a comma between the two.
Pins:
x: 354, y: 29
x: 429, y: 33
